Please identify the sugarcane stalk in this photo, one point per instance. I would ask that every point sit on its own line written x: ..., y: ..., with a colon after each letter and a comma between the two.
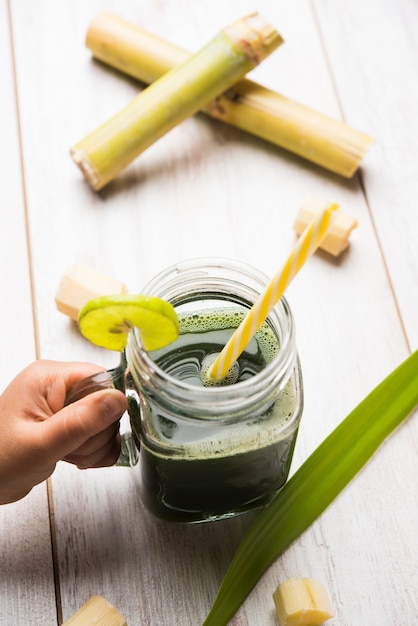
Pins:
x: 178, y: 94
x: 323, y: 140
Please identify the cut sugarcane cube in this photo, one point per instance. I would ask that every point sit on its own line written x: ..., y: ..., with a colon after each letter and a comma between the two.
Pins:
x: 302, y: 602
x: 96, y: 611
x: 336, y: 240
x: 81, y: 284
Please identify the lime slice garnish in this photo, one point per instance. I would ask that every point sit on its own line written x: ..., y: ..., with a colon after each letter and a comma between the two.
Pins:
x: 106, y: 321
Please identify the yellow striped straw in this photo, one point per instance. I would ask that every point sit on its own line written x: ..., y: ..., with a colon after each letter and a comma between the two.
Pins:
x: 305, y: 247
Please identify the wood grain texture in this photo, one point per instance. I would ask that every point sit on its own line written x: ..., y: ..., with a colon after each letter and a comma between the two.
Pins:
x: 16, y: 347
x: 208, y: 189
x: 27, y: 589
x: 376, y: 79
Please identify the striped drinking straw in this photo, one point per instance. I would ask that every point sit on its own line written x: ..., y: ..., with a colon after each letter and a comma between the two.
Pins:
x: 305, y: 247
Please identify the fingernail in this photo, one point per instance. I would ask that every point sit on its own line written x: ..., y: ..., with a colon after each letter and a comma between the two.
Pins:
x: 115, y: 405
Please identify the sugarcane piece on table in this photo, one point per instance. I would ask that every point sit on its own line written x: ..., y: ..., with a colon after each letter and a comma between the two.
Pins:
x: 302, y: 602
x: 337, y: 238
x: 97, y: 611
x: 321, y: 139
x: 81, y: 283
x: 178, y: 94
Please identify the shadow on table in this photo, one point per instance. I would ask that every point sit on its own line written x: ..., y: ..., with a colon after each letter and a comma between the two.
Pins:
x: 154, y: 571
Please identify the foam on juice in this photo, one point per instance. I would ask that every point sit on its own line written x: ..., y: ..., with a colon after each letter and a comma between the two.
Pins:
x: 229, y: 318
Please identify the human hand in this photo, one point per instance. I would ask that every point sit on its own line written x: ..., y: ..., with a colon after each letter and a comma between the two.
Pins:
x: 36, y: 430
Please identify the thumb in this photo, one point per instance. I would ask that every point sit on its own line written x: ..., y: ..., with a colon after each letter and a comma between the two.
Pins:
x: 71, y: 427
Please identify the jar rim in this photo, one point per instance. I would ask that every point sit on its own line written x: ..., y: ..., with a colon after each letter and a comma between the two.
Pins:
x: 187, y: 274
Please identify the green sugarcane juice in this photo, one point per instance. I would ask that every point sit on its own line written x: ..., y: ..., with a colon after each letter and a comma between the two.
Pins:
x: 197, y: 468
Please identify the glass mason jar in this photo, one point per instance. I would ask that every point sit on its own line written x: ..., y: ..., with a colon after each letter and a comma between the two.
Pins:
x: 210, y: 452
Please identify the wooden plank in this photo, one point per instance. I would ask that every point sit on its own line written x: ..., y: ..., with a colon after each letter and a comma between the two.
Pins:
x: 114, y: 547
x: 206, y: 189
x: 16, y: 347
x: 27, y: 592
x: 374, y: 64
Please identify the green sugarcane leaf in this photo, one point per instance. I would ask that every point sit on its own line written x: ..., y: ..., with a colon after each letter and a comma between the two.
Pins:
x: 315, y: 485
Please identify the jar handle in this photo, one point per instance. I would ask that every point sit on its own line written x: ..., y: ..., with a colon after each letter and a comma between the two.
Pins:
x: 109, y: 379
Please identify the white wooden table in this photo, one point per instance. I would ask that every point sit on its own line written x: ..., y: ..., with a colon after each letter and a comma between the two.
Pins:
x: 204, y: 190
